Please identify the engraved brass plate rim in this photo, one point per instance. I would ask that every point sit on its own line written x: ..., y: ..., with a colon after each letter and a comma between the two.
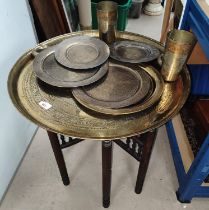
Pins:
x: 81, y: 93
x: 66, y: 117
x: 148, y: 102
x: 91, y: 75
x: 150, y: 51
x: 100, y: 48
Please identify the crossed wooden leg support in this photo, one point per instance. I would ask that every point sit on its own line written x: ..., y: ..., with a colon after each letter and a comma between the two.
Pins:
x: 139, y: 147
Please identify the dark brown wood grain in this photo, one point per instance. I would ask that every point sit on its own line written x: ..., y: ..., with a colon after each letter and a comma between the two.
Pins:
x: 49, y: 17
x: 59, y: 157
x: 149, y: 140
x: 106, y: 171
x: 201, y: 112
x: 139, y: 147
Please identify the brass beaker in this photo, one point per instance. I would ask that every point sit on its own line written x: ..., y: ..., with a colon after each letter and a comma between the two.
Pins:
x: 178, y: 48
x: 107, y: 14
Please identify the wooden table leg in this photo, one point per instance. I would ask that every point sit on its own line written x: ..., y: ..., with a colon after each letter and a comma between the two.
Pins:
x: 106, y: 171
x: 149, y: 140
x: 59, y: 157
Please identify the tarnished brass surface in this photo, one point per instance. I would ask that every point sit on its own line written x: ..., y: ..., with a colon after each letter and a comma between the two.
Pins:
x: 155, y: 92
x: 133, y: 52
x: 178, y: 48
x: 66, y: 116
x: 107, y: 15
x: 121, y: 87
x: 82, y: 52
x: 50, y: 71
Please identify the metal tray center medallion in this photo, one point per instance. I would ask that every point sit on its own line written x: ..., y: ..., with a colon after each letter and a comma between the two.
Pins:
x: 118, y: 85
x: 82, y: 53
x: 132, y: 53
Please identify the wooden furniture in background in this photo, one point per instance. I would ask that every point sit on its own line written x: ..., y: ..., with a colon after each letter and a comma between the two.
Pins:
x: 166, y: 20
x: 50, y: 19
x: 198, y: 56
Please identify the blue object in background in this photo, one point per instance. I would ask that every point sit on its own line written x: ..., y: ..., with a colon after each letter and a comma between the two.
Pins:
x: 190, y: 183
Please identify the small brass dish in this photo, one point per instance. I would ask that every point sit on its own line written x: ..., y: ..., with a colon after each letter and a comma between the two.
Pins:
x: 51, y: 72
x: 133, y: 52
x: 82, y: 52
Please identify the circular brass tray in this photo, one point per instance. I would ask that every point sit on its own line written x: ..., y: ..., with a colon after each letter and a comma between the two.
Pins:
x: 133, y: 52
x: 50, y: 71
x: 152, y: 97
x: 82, y: 52
x: 121, y: 87
x: 56, y: 110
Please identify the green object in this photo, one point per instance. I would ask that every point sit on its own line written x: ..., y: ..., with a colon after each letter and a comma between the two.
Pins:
x: 123, y: 8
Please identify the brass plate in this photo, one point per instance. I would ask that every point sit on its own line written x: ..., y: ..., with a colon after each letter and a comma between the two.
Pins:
x: 50, y: 71
x: 82, y: 52
x: 133, y: 52
x: 154, y: 96
x: 121, y: 87
x: 66, y: 117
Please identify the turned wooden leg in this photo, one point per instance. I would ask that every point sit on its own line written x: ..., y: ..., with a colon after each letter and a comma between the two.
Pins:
x: 149, y: 140
x: 106, y: 171
x: 59, y: 157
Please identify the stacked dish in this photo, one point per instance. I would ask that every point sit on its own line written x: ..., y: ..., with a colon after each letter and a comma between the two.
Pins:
x: 114, y: 86
x: 78, y: 61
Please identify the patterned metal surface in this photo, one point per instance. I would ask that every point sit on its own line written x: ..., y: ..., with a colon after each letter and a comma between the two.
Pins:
x: 50, y: 71
x: 121, y: 87
x: 56, y: 110
x: 82, y: 52
x: 154, y: 94
x: 133, y: 52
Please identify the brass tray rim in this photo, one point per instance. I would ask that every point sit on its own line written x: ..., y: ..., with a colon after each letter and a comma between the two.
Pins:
x: 121, y: 35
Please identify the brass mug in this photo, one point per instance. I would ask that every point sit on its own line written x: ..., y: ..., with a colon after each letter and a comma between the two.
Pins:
x: 178, y: 48
x: 107, y: 14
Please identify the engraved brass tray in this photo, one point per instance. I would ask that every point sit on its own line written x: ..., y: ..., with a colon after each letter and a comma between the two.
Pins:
x: 121, y: 87
x: 82, y: 52
x: 155, y: 92
x: 63, y: 115
x: 50, y: 71
x: 133, y: 52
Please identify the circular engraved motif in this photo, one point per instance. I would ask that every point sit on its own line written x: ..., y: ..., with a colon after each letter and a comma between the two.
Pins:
x: 82, y: 53
x: 121, y: 87
x: 133, y: 51
x: 50, y: 71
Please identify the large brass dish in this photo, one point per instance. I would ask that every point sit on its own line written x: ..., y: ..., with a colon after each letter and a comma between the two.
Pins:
x: 121, y: 87
x: 155, y: 92
x: 63, y: 115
